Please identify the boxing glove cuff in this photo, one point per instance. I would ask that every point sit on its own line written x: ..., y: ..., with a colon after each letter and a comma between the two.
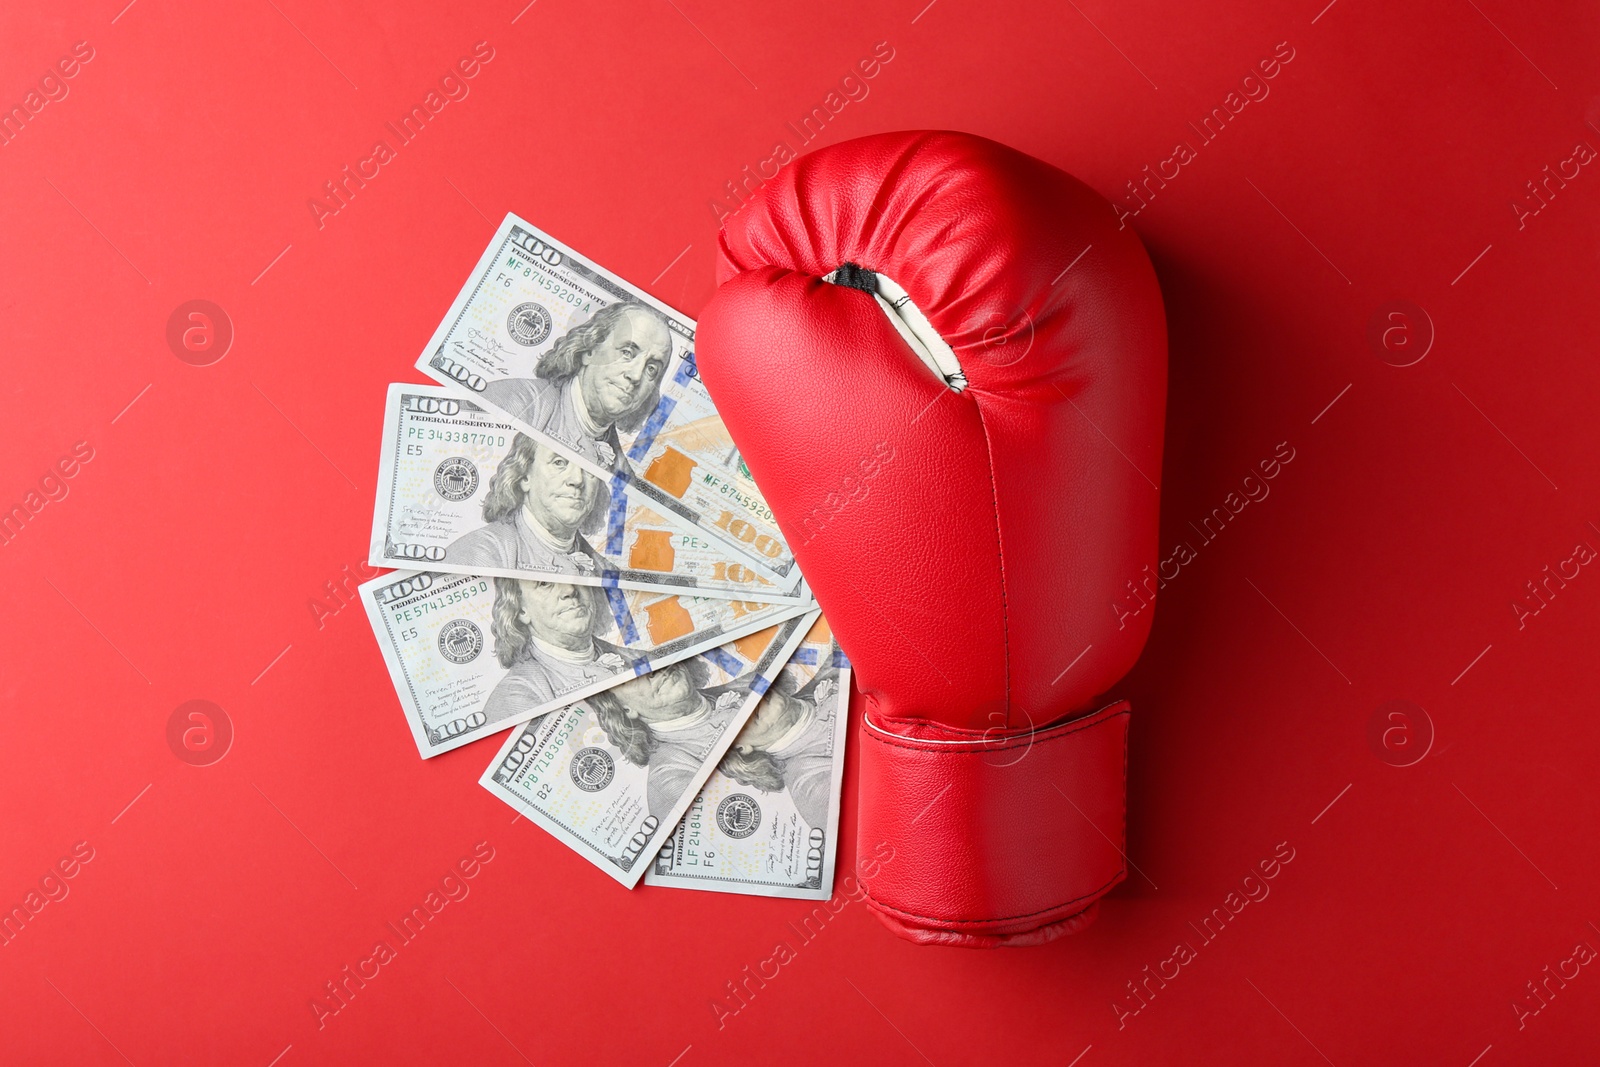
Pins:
x: 989, y: 840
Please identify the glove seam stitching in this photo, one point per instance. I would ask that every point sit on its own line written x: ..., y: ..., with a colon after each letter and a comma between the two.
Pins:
x: 1090, y: 896
x: 980, y: 746
x: 1000, y: 559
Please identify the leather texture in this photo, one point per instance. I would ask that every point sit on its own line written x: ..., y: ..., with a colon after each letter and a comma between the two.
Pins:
x: 970, y: 548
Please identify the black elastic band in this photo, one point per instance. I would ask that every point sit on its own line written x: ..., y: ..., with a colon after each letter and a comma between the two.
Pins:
x: 853, y: 276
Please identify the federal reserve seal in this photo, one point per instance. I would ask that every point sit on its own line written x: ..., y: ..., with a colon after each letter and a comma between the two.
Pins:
x: 460, y: 641
x: 455, y: 479
x: 738, y: 815
x: 592, y: 769
x: 528, y: 324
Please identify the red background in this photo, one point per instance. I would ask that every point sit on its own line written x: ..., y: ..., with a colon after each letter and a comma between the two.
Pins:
x: 184, y: 560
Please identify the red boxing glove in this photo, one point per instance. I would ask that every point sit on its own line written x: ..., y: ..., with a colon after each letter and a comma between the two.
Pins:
x: 945, y: 365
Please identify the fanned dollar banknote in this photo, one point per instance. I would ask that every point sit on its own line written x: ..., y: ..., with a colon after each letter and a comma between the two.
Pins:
x: 462, y: 490
x: 611, y: 775
x: 470, y: 655
x: 767, y: 820
x: 604, y: 373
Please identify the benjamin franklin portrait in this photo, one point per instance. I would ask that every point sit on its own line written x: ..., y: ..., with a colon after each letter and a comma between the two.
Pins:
x: 603, y: 376
x: 788, y: 744
x: 546, y: 635
x: 539, y: 505
x: 669, y: 720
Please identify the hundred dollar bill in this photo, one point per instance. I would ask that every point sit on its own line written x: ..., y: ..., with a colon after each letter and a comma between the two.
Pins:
x: 595, y: 367
x: 767, y: 820
x: 462, y: 490
x: 611, y: 775
x: 471, y: 655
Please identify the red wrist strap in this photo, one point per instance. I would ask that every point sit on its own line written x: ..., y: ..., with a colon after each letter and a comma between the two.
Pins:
x: 1003, y: 841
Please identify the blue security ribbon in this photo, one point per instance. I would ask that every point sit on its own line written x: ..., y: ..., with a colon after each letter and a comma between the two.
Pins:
x: 652, y: 426
x: 617, y: 514
x: 620, y: 612
x: 727, y: 661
